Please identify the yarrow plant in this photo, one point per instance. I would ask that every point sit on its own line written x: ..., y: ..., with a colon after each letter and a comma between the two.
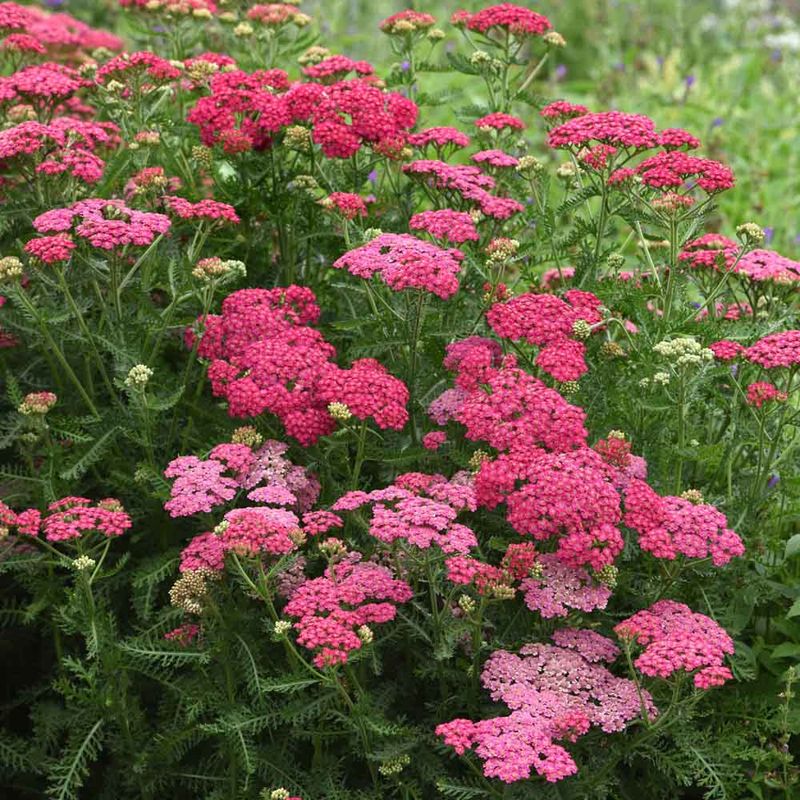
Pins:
x: 355, y: 447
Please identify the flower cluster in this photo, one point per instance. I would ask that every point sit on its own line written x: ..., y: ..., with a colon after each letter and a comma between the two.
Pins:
x: 418, y: 509
x: 266, y: 357
x: 68, y: 518
x: 104, y: 224
x: 446, y: 224
x: 465, y: 183
x: 518, y: 20
x: 549, y: 322
x: 775, y: 350
x: 405, y: 262
x: 333, y: 609
x: 669, y: 526
x: 247, y: 110
x: 263, y: 472
x: 555, y: 693
x: 675, y: 638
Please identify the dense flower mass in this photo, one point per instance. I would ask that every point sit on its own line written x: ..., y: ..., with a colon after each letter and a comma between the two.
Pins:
x: 672, y: 169
x: 332, y: 609
x: 676, y: 638
x: 516, y: 19
x: 420, y: 510
x: 554, y: 694
x: 69, y: 518
x: 549, y: 322
x: 471, y: 373
x: 104, y: 224
x: 453, y: 226
x: 615, y: 128
x: 405, y: 262
x: 265, y: 357
x: 669, y: 526
x: 775, y: 350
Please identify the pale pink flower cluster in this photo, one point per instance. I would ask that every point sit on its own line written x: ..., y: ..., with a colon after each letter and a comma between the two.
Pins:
x: 555, y: 694
x: 105, y: 224
x: 201, y: 485
x: 419, y: 510
x: 676, y: 638
x: 559, y: 588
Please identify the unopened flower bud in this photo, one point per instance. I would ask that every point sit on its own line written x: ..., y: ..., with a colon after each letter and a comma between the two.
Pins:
x: 298, y: 138
x: 616, y: 261
x: 477, y: 458
x: 394, y: 766
x: 570, y: 388
x: 10, y: 268
x: 750, y: 233
x: 365, y: 634
x: 554, y: 39
x: 694, y: 496
x: 248, y: 435
x: 608, y: 575
x: 567, y: 171
x: 339, y: 411
x: 37, y: 403
x: 612, y: 350
x: 138, y: 376
x: 529, y: 165
x: 466, y: 604
x: 581, y: 329
x: 82, y: 563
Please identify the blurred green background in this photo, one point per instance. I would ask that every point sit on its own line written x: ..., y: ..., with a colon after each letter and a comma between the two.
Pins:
x: 726, y: 70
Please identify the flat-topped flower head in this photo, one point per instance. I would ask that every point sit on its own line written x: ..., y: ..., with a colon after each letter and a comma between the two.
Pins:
x: 105, y: 224
x: 276, y: 15
x: 71, y: 518
x: 336, y: 67
x: 448, y: 225
x: 675, y: 638
x: 616, y: 128
x: 674, y: 169
x: 203, y: 210
x: 709, y: 251
x: 558, y: 588
x: 562, y: 110
x: 672, y: 526
x: 406, y: 22
x: 775, y: 350
x: 762, y: 392
x: 143, y: 63
x: 405, y: 262
x: 330, y: 609
x: 766, y: 265
x: 499, y: 121
x: 440, y: 137
x: 554, y: 694
x: 517, y: 20
x: 37, y: 404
